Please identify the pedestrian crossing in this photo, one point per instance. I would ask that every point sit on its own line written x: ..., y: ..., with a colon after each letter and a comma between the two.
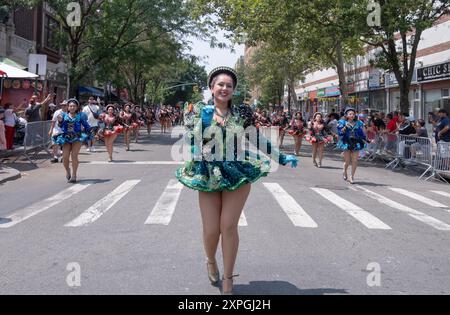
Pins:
x: 300, y: 212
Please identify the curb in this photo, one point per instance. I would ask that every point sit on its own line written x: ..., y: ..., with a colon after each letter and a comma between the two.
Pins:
x: 13, y: 175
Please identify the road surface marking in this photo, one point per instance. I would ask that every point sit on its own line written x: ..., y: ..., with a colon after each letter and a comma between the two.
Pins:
x: 411, y: 212
x: 418, y: 197
x: 367, y: 219
x: 42, y: 205
x: 103, y: 205
x: 165, y: 206
x: 294, y: 211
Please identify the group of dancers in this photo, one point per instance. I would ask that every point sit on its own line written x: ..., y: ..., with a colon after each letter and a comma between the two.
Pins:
x: 169, y: 116
x: 349, y: 132
x: 71, y: 129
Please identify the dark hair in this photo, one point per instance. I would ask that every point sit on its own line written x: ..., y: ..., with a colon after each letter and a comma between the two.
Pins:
x: 213, y: 82
x: 389, y: 116
x: 74, y: 101
x: 443, y: 111
x: 421, y: 122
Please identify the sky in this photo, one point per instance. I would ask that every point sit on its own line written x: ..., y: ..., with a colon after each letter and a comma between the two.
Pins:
x: 215, y: 57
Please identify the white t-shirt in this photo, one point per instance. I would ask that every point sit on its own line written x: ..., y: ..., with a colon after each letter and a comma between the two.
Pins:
x: 56, y: 130
x: 10, y: 118
x: 91, y: 120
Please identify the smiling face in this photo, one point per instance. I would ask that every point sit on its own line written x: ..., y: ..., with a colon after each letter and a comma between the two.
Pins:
x: 72, y: 107
x: 350, y: 115
x: 222, y: 88
x: 318, y: 118
x: 110, y: 110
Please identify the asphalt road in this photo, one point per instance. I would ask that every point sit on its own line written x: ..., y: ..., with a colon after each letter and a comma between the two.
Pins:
x: 130, y: 228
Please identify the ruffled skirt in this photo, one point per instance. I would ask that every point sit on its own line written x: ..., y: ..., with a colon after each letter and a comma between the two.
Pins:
x: 73, y: 137
x: 217, y: 176
x: 351, y: 145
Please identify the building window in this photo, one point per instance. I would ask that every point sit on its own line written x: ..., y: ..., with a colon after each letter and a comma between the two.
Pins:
x: 51, y: 28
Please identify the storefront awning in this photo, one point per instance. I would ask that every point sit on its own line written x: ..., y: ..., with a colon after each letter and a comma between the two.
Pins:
x: 91, y: 91
x: 15, y: 73
x: 11, y: 62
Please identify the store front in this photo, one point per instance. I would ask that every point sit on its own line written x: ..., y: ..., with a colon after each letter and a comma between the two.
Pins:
x: 435, y: 80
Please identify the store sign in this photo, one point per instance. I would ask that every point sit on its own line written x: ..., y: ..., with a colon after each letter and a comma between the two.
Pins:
x: 390, y: 79
x: 376, y: 80
x: 321, y: 93
x: 362, y: 85
x: 332, y: 91
x: 433, y: 72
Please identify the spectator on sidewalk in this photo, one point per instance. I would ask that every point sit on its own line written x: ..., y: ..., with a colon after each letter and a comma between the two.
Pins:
x: 405, y: 126
x: 2, y: 130
x: 92, y: 111
x: 421, y: 131
x: 10, y: 123
x: 32, y: 113
x: 443, y: 126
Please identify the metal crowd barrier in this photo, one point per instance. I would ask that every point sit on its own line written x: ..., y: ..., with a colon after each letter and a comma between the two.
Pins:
x: 441, y: 162
x: 414, y: 150
x: 36, y: 139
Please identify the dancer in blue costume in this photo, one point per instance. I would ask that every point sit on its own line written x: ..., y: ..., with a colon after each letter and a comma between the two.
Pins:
x: 76, y: 130
x: 223, y: 185
x: 352, y: 140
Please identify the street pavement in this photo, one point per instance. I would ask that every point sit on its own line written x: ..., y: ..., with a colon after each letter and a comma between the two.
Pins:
x: 131, y: 228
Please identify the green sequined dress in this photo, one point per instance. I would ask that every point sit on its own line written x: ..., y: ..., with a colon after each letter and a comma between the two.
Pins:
x: 211, y: 175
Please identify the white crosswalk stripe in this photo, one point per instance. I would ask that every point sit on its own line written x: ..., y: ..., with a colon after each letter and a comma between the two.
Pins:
x: 442, y: 193
x: 437, y: 224
x: 42, y: 206
x: 418, y: 197
x: 102, y: 206
x: 294, y: 211
x: 165, y: 206
x: 167, y: 203
x: 367, y: 219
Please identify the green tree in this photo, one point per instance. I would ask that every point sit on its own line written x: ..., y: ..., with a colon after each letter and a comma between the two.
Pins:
x: 108, y: 27
x: 398, y: 36
x: 318, y: 29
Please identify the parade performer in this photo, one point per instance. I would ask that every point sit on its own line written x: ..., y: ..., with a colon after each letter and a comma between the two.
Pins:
x: 72, y: 136
x: 223, y: 185
x: 138, y: 121
x: 297, y: 130
x: 282, y: 122
x: 352, y: 140
x: 150, y: 119
x: 318, y: 137
x: 112, y: 128
x: 126, y: 117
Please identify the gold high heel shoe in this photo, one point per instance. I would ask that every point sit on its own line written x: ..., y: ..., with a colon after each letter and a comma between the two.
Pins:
x: 228, y: 279
x: 213, y: 276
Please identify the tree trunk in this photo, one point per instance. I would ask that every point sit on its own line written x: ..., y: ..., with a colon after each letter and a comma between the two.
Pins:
x: 404, y: 98
x: 341, y: 74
